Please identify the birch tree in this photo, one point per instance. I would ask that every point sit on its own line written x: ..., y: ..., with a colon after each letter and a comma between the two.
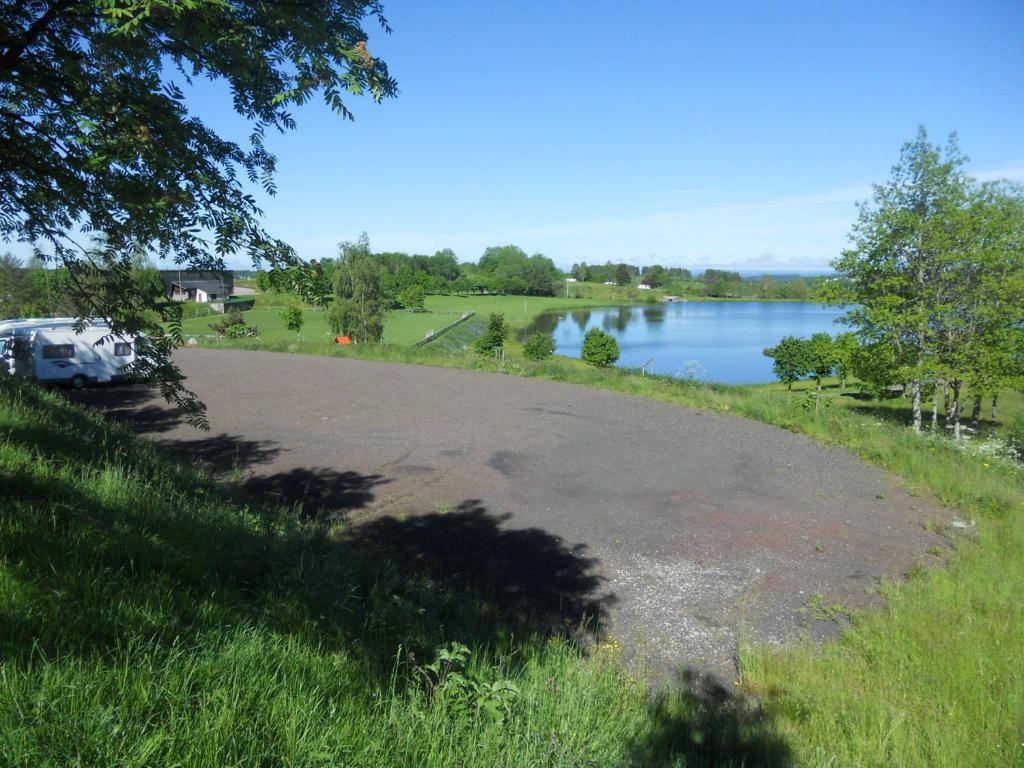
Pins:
x: 900, y: 245
x: 936, y: 270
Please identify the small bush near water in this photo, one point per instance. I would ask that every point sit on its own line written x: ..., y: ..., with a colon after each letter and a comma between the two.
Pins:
x: 600, y: 349
x: 539, y: 346
x: 494, y: 337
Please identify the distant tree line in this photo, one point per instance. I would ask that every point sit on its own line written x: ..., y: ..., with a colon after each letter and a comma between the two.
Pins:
x: 508, y: 270
x: 406, y: 279
x: 712, y: 283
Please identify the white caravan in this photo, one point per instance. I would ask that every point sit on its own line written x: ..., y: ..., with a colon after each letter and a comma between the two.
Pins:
x: 50, y: 351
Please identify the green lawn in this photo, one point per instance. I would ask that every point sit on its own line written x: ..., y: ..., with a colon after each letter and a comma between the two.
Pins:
x: 401, y: 327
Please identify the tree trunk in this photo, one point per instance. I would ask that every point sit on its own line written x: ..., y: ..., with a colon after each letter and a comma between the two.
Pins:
x: 976, y: 413
x: 992, y: 418
x: 956, y: 410
x: 935, y: 407
x: 945, y: 405
x: 915, y: 405
x: 819, y: 384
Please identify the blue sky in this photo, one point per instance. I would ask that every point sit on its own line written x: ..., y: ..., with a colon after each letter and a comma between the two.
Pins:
x: 692, y: 134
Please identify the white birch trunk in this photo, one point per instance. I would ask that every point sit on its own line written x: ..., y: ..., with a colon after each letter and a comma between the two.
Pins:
x: 956, y: 410
x: 915, y: 405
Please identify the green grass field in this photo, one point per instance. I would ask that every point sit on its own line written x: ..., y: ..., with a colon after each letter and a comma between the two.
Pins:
x: 400, y: 327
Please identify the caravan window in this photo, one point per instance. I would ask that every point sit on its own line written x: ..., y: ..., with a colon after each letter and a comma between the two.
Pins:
x: 122, y: 349
x: 58, y: 351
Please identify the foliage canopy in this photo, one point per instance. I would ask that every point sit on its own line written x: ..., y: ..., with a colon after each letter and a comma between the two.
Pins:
x: 97, y: 142
x: 935, y: 272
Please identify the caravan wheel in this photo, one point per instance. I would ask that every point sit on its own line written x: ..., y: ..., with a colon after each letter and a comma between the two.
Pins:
x: 78, y: 382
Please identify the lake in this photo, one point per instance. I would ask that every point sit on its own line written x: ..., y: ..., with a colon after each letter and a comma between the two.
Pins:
x: 721, y: 341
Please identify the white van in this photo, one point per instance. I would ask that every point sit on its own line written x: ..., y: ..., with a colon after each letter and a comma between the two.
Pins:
x: 53, y: 352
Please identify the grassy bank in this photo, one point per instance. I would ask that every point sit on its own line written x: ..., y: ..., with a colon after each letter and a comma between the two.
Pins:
x: 155, y: 618
x: 932, y: 679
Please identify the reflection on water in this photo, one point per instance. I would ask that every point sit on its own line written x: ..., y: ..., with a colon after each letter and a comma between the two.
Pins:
x: 713, y: 341
x: 616, y: 320
x: 654, y: 314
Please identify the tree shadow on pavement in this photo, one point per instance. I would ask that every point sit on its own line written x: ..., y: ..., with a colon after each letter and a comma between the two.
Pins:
x: 315, y: 493
x: 223, y: 453
x: 536, y: 581
x: 137, y: 404
x: 703, y: 723
x: 157, y: 553
x: 120, y: 547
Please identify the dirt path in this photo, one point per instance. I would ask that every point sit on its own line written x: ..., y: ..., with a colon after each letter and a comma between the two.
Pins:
x: 679, y: 528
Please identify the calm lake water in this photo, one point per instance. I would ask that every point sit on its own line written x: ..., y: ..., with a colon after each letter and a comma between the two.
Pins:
x: 719, y: 341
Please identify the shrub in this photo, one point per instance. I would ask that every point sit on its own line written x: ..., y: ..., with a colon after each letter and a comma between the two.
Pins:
x: 495, y: 335
x: 600, y: 349
x: 241, y: 332
x: 790, y: 356
x: 539, y: 346
x: 231, y: 320
x: 292, y: 317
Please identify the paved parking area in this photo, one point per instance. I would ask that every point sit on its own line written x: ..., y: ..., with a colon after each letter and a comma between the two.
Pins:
x: 678, y: 528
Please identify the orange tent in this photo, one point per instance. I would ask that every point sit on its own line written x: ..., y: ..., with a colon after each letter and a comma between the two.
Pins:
x: 343, y: 340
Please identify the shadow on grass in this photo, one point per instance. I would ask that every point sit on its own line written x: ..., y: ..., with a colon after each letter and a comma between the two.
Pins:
x: 702, y: 723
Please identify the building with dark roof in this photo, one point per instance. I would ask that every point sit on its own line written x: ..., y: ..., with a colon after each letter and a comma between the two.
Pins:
x: 197, y: 286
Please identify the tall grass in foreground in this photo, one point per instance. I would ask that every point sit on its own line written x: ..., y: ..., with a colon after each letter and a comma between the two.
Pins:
x: 937, y: 676
x: 151, y: 617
